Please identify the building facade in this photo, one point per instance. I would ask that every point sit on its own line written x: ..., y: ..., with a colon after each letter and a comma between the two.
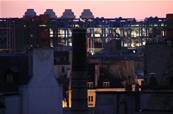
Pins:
x: 58, y: 30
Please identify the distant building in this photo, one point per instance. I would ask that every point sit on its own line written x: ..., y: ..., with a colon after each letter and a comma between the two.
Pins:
x: 132, y: 33
x: 107, y: 71
x: 158, y: 59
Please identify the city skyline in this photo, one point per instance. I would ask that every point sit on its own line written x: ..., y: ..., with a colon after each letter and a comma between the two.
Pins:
x: 86, y: 65
x: 99, y: 8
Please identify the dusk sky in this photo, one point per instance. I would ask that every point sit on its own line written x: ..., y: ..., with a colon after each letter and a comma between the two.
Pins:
x: 100, y: 8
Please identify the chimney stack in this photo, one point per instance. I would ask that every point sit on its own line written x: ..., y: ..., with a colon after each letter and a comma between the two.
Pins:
x: 79, y: 72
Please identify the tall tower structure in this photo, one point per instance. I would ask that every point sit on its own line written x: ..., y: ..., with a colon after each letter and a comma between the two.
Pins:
x: 79, y: 72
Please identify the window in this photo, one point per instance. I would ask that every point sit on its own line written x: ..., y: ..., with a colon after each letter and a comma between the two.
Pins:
x: 90, y: 98
x: 90, y: 85
x: 106, y: 84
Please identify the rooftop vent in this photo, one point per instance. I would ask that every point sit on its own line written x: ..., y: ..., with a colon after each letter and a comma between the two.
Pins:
x: 50, y: 13
x: 30, y: 13
x: 68, y: 14
x: 87, y: 14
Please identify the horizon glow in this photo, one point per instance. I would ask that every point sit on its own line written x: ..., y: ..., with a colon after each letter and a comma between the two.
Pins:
x: 138, y: 9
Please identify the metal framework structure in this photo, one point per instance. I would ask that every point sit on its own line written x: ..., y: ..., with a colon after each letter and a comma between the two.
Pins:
x: 132, y: 33
x: 100, y: 31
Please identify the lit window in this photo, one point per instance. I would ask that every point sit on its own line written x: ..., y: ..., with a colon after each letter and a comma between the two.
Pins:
x: 155, y: 25
x: 70, y: 33
x: 77, y: 26
x: 61, y: 33
x: 125, y: 45
x: 97, y: 35
x: 43, y: 25
x: 51, y: 44
x: 92, y: 35
x: 118, y: 30
x: 138, y: 44
x: 162, y: 24
x: 51, y: 31
x: 133, y: 34
x: 70, y: 44
x: 134, y: 51
x: 106, y: 84
x: 51, y: 35
x: 132, y: 44
x: 64, y: 103
x: 163, y: 33
x: 90, y: 85
x: 143, y: 43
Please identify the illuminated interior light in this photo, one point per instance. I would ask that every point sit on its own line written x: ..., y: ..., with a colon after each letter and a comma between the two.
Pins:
x: 143, y: 43
x: 70, y: 44
x: 51, y: 44
x: 137, y: 44
x: 64, y: 103
x: 132, y: 45
x: 97, y: 35
x: 92, y: 35
x: 134, y: 51
x: 155, y: 25
x: 162, y: 24
x: 50, y: 31
x: 125, y: 45
x: 77, y: 26
x: 51, y: 35
x: 42, y: 25
x: 134, y: 34
x: 92, y: 52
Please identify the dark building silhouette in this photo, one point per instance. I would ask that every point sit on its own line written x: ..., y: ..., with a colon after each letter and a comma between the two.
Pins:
x: 169, y: 28
x: 79, y: 75
x: 13, y: 71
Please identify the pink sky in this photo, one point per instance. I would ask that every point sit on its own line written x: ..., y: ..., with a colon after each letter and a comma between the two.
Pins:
x: 100, y: 8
